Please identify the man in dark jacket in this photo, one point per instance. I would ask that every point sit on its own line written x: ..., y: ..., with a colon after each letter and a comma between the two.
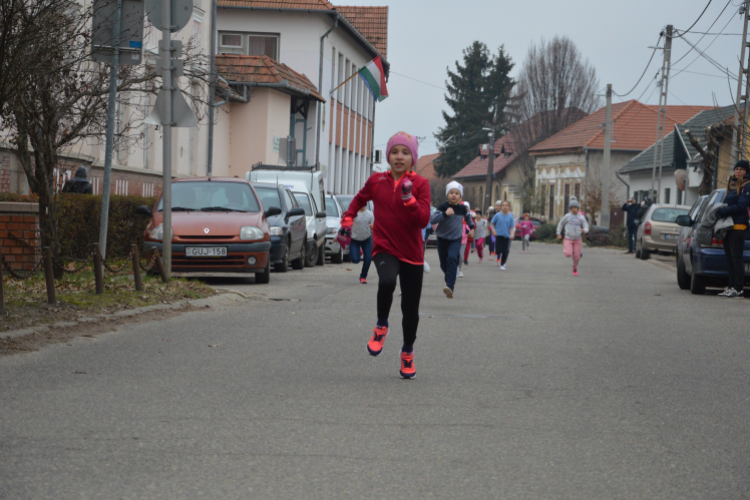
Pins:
x: 79, y: 183
x: 631, y: 208
x: 737, y: 202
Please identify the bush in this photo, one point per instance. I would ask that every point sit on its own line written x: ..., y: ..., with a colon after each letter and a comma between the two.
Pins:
x: 16, y: 197
x: 79, y: 218
x: 616, y: 237
x: 546, y: 232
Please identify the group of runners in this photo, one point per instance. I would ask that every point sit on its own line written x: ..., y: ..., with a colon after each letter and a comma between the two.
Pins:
x: 402, y: 201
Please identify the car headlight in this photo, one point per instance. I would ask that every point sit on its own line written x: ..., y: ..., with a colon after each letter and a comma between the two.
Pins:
x: 157, y: 233
x: 277, y: 231
x: 248, y: 233
x: 332, y: 230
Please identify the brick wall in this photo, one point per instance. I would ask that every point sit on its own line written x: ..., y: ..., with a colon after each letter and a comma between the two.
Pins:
x: 19, y: 234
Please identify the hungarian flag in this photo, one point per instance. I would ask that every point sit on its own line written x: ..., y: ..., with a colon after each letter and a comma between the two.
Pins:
x: 374, y: 78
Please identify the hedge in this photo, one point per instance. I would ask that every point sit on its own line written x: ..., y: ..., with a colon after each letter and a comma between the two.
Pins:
x: 79, y: 218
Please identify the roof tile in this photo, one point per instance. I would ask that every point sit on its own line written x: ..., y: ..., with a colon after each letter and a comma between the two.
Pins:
x: 426, y: 166
x: 278, y: 4
x: 371, y: 22
x: 263, y: 69
x: 505, y: 154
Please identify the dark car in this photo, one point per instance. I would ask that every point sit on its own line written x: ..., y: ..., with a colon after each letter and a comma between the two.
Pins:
x: 287, y: 228
x: 701, y: 266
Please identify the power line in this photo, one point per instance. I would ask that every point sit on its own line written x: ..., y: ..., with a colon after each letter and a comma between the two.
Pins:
x: 683, y: 102
x: 710, y: 59
x: 712, y: 25
x: 419, y: 81
x: 704, y: 74
x: 644, y: 70
x: 696, y: 21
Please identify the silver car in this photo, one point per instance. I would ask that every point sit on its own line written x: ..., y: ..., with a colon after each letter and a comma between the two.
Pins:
x: 658, y: 231
x: 334, y: 211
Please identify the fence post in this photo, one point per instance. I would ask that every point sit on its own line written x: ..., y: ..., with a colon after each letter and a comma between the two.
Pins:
x: 98, y: 272
x: 160, y: 264
x: 49, y: 274
x: 136, y: 268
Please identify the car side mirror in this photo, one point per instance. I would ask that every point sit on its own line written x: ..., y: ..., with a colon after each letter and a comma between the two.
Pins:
x: 684, y: 221
x: 295, y: 212
x: 144, y: 210
x: 272, y: 211
x: 320, y: 215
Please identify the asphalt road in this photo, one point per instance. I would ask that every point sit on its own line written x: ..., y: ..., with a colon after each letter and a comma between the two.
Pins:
x: 530, y: 384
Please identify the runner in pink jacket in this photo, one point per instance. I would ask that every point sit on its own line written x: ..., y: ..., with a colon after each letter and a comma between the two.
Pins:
x: 526, y: 227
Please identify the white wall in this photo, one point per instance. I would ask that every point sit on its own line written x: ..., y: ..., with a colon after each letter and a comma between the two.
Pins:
x: 641, y: 181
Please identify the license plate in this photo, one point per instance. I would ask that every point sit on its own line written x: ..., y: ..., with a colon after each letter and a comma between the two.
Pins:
x: 670, y: 236
x: 205, y: 251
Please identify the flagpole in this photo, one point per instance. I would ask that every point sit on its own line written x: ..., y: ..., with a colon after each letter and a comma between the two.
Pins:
x: 344, y: 83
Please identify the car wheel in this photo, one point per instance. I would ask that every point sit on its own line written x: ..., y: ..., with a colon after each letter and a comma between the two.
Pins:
x: 338, y: 258
x: 283, y: 266
x: 697, y: 284
x: 321, y: 256
x: 265, y: 276
x: 645, y: 254
x: 311, y: 256
x: 683, y: 278
x: 637, y: 251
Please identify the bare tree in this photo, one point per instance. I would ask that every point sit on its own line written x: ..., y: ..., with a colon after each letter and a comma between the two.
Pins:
x: 61, y: 104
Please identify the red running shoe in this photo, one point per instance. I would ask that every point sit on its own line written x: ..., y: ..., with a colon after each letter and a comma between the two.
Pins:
x: 375, y: 345
x: 362, y: 281
x: 407, y: 365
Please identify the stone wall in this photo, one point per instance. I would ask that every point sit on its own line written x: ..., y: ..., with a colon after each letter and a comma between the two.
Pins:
x: 19, y: 235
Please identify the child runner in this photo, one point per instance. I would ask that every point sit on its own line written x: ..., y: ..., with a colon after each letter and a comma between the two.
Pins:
x: 526, y: 227
x: 503, y: 227
x: 362, y: 240
x: 449, y: 218
x: 575, y: 226
x: 402, y: 201
x: 480, y: 231
x: 425, y: 234
x: 464, y: 244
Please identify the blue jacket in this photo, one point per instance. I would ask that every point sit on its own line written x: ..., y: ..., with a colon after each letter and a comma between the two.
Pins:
x: 737, y: 204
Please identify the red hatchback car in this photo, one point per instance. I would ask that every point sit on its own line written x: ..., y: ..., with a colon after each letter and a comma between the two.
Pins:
x: 218, y: 226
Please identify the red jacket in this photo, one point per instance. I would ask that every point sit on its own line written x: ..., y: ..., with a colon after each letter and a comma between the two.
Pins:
x: 398, y: 227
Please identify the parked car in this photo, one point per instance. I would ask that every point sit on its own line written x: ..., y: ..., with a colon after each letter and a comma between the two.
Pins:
x: 316, y: 229
x: 218, y: 225
x: 306, y: 184
x: 658, y: 231
x: 334, y: 210
x: 701, y: 266
x: 345, y: 199
x: 288, y: 229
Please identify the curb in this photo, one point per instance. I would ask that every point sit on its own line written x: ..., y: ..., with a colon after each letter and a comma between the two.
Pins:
x: 225, y: 299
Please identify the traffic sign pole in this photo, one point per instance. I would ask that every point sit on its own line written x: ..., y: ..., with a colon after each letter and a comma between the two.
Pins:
x: 111, y: 105
x: 166, y: 60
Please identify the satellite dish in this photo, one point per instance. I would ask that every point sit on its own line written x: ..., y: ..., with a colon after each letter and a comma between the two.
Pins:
x: 182, y: 11
x: 680, y: 178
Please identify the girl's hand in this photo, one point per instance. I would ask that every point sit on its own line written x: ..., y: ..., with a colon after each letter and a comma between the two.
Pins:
x: 370, y: 227
x: 406, y: 189
x: 449, y: 212
x: 559, y: 236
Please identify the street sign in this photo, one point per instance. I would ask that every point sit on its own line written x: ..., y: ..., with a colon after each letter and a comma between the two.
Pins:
x: 182, y: 11
x: 131, y: 32
x: 182, y: 115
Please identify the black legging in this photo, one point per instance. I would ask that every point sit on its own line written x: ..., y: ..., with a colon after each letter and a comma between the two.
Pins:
x: 410, y: 276
x: 502, y: 247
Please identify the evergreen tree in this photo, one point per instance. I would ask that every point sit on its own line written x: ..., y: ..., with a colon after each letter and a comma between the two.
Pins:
x: 478, y: 92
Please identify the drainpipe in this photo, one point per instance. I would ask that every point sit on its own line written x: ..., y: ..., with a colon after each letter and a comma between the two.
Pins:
x: 212, y: 92
x: 320, y: 89
x: 626, y: 185
x: 586, y: 177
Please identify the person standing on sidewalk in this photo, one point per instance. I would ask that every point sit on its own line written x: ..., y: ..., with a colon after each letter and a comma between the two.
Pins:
x: 480, y: 232
x: 737, y: 202
x: 362, y: 240
x: 450, y: 217
x: 631, y: 208
x: 401, y: 199
x: 503, y: 227
x: 575, y: 226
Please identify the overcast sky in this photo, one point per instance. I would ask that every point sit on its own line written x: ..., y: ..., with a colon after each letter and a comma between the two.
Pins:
x: 426, y: 36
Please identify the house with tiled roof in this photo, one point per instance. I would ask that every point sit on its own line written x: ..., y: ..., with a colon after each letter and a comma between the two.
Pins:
x: 569, y: 162
x: 426, y: 166
x: 678, y: 155
x: 322, y: 45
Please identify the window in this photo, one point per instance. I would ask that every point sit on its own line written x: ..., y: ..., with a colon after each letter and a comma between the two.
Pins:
x: 263, y: 45
x: 212, y: 197
x: 551, y: 201
x: 679, y: 197
x: 269, y: 197
x: 577, y: 191
x: 197, y: 37
x: 567, y: 198
x: 667, y: 214
x: 304, y: 203
x: 332, y: 209
x: 233, y: 40
x: 666, y: 196
x: 289, y: 200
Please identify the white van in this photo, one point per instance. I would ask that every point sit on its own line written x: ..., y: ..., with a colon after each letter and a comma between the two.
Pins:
x: 306, y: 184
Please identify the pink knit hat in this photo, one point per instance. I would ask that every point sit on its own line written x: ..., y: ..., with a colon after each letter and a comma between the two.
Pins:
x: 403, y: 139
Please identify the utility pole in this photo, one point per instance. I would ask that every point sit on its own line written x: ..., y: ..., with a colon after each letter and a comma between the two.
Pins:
x: 488, y: 183
x: 605, y: 174
x: 166, y: 61
x: 739, y: 139
x: 211, y: 92
x: 662, y: 118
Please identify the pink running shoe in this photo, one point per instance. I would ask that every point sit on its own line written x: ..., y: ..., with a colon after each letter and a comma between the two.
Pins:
x: 575, y: 273
x: 375, y: 345
x: 407, y: 365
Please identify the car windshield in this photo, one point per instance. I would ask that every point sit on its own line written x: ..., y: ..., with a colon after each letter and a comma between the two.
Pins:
x: 212, y: 196
x: 332, y: 209
x: 304, y: 202
x: 345, y: 200
x: 269, y: 197
x: 667, y: 214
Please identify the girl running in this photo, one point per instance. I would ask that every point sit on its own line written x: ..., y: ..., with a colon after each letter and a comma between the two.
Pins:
x: 480, y: 231
x: 526, y: 227
x: 401, y: 199
x: 575, y: 226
